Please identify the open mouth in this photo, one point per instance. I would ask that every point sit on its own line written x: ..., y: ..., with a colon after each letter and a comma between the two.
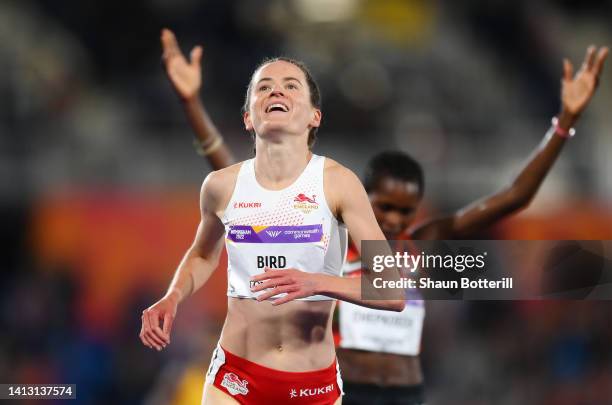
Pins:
x: 277, y: 107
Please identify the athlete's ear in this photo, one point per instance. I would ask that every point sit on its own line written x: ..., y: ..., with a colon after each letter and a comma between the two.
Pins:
x: 248, y: 124
x: 316, y: 118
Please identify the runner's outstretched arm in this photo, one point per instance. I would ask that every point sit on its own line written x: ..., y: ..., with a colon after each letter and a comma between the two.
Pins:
x: 186, y: 79
x: 576, y: 92
x: 198, y: 264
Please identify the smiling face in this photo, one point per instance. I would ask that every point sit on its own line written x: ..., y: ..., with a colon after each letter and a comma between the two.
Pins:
x: 279, y: 102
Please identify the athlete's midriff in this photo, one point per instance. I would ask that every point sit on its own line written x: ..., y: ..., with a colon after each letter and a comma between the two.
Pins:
x: 385, y: 369
x: 295, y: 336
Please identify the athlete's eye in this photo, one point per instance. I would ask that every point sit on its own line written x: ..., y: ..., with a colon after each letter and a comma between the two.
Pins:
x: 406, y: 211
x: 385, y: 207
x: 263, y: 87
x: 291, y: 86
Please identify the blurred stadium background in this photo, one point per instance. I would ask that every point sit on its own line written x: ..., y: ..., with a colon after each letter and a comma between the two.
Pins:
x: 99, y: 190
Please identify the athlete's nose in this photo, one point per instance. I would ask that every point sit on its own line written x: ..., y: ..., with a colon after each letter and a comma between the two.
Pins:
x: 277, y: 91
x: 393, y: 221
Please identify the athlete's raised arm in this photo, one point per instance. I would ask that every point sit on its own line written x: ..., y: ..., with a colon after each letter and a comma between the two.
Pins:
x: 186, y: 79
x: 349, y: 201
x: 194, y: 270
x: 576, y: 92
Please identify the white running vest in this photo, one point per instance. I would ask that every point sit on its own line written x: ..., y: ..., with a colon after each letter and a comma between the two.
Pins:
x: 289, y: 228
x: 381, y: 331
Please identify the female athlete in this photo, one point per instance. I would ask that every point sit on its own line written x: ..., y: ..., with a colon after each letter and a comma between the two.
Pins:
x: 282, y: 215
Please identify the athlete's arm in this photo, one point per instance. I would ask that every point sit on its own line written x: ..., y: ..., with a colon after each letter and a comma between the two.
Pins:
x: 186, y: 79
x: 352, y: 205
x: 194, y: 270
x: 576, y: 92
x: 349, y: 201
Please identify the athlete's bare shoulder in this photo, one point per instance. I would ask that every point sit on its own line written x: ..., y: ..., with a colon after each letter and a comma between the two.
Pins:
x: 334, y: 172
x: 218, y: 187
x: 338, y: 181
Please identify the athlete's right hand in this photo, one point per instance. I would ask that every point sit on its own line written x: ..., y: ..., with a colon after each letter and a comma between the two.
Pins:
x: 162, y: 311
x: 186, y: 77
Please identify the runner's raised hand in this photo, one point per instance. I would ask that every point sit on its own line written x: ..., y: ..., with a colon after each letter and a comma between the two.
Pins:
x: 577, y: 90
x: 185, y: 76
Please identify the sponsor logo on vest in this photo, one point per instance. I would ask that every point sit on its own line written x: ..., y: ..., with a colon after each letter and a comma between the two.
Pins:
x: 311, y: 392
x: 234, y: 384
x: 273, y: 234
x: 246, y: 204
x: 304, y: 203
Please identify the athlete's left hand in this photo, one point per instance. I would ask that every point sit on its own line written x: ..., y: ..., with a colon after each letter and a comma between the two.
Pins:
x: 294, y: 282
x: 577, y: 91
